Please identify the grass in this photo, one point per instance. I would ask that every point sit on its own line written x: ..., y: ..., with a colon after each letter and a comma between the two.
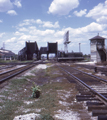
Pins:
x: 17, y: 96
x: 8, y: 108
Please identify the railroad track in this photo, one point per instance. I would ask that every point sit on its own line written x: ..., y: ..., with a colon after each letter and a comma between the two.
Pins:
x: 12, y: 73
x: 92, y: 89
x: 98, y: 69
x: 6, y: 66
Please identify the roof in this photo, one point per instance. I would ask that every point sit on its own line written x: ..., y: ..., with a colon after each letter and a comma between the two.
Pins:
x: 6, y: 52
x: 98, y: 38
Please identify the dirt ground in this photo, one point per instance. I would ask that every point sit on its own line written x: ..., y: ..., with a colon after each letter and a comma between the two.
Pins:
x: 56, y: 102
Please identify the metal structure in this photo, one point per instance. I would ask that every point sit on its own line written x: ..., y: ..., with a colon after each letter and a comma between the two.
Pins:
x: 98, y: 51
x: 22, y: 54
x: 28, y: 51
x: 52, y: 48
x: 66, y: 41
x: 65, y: 55
x: 43, y: 50
x: 62, y: 56
x: 31, y: 50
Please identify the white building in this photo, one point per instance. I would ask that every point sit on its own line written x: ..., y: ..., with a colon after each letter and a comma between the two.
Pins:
x: 97, y: 47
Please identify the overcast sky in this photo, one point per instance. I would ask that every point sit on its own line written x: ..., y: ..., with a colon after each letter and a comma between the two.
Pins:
x: 47, y: 21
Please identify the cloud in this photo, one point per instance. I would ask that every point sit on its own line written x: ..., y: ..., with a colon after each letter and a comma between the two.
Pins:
x: 102, y: 19
x: 59, y: 33
x: 50, y: 25
x: 45, y: 24
x: 30, y: 32
x: 29, y: 29
x: 18, y: 3
x: 80, y: 13
x: 38, y: 21
x: 5, y: 5
x: 93, y: 27
x: 99, y: 12
x: 25, y: 37
x: 40, y: 33
x: 49, y: 35
x: 69, y: 16
x: 12, y: 40
x: 12, y: 12
x: 27, y: 22
x: 23, y: 29
x: 62, y: 7
x: 1, y: 34
x: 1, y: 21
x: 17, y: 33
x: 47, y: 32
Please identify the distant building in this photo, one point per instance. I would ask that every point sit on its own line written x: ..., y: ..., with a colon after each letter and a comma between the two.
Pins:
x: 98, y: 50
x: 6, y: 54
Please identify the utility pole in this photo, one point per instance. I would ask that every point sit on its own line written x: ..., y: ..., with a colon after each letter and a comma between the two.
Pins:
x: 79, y: 47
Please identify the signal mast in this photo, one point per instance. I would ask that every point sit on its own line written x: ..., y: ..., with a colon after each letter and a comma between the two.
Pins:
x: 66, y: 41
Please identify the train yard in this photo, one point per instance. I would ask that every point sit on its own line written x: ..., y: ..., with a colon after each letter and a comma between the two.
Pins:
x: 90, y: 90
x: 13, y: 70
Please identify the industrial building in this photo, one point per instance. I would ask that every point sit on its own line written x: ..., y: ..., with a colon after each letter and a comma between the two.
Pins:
x: 6, y: 54
x: 31, y: 51
x: 98, y: 50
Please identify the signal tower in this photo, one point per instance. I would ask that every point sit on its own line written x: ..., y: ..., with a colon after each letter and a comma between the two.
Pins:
x: 66, y: 41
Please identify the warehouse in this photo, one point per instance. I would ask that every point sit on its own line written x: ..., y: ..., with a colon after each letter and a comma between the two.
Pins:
x: 6, y: 54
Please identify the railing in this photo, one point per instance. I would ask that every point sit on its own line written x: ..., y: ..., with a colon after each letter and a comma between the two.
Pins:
x: 100, y: 47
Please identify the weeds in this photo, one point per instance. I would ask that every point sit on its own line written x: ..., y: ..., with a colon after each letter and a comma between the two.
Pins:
x: 8, y: 109
x: 46, y: 117
x: 35, y: 91
x: 18, y: 98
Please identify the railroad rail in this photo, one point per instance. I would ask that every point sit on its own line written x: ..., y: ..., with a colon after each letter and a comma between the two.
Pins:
x: 98, y: 68
x: 11, y: 73
x: 6, y: 66
x: 92, y: 89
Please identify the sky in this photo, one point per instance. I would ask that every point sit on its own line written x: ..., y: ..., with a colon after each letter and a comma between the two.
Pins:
x: 48, y: 20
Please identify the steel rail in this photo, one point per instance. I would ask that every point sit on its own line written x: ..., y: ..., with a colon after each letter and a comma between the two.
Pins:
x: 102, y: 69
x: 6, y: 67
x: 27, y: 67
x: 12, y: 75
x: 11, y: 70
x: 91, y: 75
x: 100, y: 96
